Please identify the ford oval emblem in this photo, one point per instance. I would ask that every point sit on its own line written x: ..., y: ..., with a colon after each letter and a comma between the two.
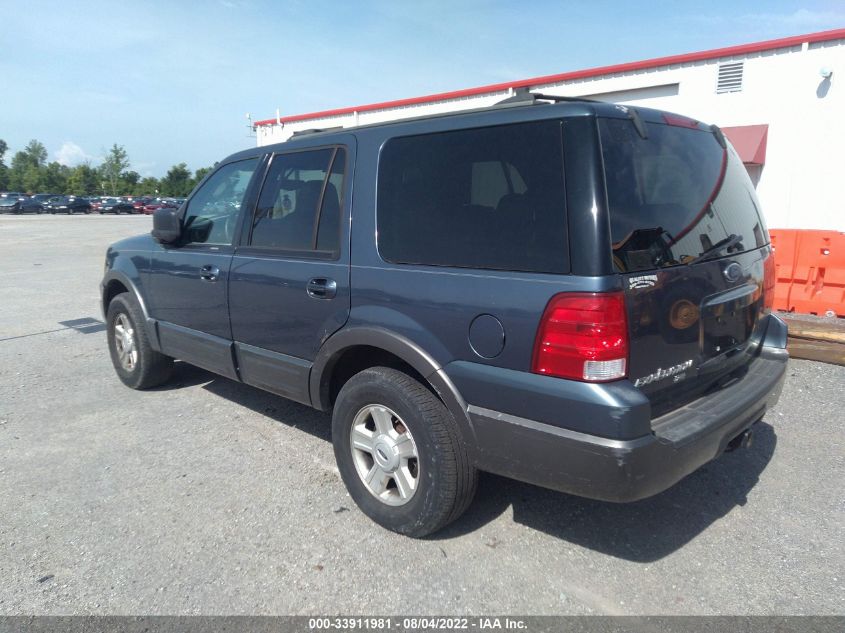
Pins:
x: 732, y: 272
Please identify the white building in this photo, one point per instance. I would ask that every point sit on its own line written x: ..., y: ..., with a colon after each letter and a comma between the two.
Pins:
x: 777, y: 101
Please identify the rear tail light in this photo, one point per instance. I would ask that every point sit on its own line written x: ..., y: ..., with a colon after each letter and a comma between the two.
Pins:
x: 583, y: 336
x: 769, y: 280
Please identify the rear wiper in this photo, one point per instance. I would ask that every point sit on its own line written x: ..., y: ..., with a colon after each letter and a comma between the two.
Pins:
x: 731, y: 240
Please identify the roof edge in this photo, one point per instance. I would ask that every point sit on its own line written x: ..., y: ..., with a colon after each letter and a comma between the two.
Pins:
x: 656, y: 62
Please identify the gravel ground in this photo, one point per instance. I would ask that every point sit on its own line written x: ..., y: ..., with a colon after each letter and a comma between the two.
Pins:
x: 211, y: 497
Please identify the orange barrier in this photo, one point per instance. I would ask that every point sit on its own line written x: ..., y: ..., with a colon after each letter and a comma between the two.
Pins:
x: 810, y: 271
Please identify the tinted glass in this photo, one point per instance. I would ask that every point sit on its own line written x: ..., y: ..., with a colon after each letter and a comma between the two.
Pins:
x: 299, y: 209
x: 328, y: 235
x: 212, y: 213
x: 675, y: 196
x: 483, y: 198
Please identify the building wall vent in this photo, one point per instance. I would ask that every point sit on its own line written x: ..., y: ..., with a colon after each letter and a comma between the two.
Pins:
x: 730, y: 77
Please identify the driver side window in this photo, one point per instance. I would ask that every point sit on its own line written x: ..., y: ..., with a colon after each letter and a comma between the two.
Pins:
x: 212, y: 213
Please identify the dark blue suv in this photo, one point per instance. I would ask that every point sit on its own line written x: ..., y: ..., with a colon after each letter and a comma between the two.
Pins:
x: 573, y: 294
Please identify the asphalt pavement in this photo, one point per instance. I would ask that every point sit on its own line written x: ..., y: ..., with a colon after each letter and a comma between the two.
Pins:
x: 207, y: 496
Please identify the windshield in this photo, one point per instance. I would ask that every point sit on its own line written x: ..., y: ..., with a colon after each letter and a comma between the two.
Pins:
x: 675, y: 196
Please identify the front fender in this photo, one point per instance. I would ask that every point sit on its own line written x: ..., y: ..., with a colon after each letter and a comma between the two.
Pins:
x: 125, y: 272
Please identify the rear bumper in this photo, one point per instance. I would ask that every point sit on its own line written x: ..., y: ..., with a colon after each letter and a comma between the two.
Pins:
x: 624, y: 470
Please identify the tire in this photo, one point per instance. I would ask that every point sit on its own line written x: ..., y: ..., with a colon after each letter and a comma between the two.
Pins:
x: 441, y: 478
x: 149, y: 368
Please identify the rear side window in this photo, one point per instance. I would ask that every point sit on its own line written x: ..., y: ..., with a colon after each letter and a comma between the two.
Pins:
x: 490, y: 198
x: 675, y: 196
x: 299, y: 205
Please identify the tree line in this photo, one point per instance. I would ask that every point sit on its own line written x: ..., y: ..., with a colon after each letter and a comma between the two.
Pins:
x: 29, y: 172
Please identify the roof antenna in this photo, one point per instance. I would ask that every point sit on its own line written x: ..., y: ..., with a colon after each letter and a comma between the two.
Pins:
x: 250, y: 125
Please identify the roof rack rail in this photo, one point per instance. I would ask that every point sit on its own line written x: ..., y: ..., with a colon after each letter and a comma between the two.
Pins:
x: 317, y: 130
x: 522, y: 95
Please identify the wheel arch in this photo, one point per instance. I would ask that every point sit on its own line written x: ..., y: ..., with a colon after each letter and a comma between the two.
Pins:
x: 116, y: 282
x: 355, y: 349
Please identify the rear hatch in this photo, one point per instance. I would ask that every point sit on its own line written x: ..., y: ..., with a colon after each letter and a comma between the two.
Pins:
x: 690, y: 243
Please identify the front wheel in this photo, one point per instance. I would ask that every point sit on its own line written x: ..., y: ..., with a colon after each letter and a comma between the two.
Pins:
x: 137, y: 364
x: 400, y: 453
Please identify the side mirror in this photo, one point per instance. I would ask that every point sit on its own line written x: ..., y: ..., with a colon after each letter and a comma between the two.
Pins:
x: 167, y: 228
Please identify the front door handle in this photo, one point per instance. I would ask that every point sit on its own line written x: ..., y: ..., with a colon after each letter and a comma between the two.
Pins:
x: 209, y: 273
x: 321, y: 288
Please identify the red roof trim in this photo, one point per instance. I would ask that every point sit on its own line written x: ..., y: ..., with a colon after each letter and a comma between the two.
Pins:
x: 742, y: 49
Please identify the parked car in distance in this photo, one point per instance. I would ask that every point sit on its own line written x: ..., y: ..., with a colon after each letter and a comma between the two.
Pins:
x: 159, y: 203
x: 116, y: 206
x: 10, y: 204
x: 11, y: 194
x: 573, y: 294
x: 67, y: 204
x: 96, y: 203
x: 30, y: 205
x: 140, y: 203
x: 36, y: 202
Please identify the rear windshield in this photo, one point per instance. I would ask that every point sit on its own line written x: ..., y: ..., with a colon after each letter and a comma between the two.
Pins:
x: 479, y: 198
x: 675, y: 196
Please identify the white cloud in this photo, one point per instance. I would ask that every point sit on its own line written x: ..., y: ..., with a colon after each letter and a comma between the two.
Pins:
x: 71, y: 154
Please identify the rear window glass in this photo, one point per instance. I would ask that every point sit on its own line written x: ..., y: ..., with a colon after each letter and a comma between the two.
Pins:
x: 675, y: 196
x: 489, y: 198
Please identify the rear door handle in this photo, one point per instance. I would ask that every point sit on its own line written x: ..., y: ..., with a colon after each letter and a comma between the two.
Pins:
x: 209, y: 273
x: 321, y: 288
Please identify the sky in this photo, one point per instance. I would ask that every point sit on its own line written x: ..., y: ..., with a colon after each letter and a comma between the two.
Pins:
x: 172, y: 81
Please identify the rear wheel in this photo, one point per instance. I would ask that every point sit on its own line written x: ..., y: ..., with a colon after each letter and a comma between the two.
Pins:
x: 137, y: 364
x: 400, y: 453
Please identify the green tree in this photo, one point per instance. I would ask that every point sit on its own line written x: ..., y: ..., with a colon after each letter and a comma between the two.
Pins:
x: 83, y: 180
x: 147, y: 186
x: 4, y: 171
x: 177, y: 181
x: 201, y: 173
x: 33, y: 177
x: 36, y: 152
x: 26, y: 171
x: 54, y: 178
x: 128, y: 182
x: 18, y: 171
x: 115, y: 164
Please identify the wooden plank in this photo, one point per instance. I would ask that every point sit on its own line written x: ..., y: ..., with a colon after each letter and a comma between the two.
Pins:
x: 818, y: 335
x: 822, y: 351
x: 833, y: 331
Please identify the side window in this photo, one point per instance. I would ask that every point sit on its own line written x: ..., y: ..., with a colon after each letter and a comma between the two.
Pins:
x: 299, y: 206
x: 492, y: 180
x: 212, y: 213
x: 489, y: 198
